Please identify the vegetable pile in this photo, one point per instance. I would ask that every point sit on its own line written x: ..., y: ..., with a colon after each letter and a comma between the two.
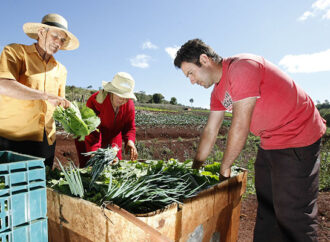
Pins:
x: 79, y: 121
x: 138, y: 187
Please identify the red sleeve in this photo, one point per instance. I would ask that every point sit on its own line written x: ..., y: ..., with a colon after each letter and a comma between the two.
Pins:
x: 215, y: 102
x: 91, y: 103
x: 129, y: 130
x: 94, y: 140
x: 245, y: 77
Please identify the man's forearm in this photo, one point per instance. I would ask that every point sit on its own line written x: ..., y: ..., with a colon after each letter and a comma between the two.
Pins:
x: 208, y: 137
x: 13, y: 88
x: 236, y: 140
x: 205, y: 146
x: 238, y: 132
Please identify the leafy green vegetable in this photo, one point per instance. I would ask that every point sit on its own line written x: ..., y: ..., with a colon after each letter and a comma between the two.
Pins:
x: 79, y: 122
x: 99, y: 159
x: 138, y: 187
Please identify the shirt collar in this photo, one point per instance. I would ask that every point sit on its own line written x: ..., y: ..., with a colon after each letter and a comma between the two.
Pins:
x: 32, y: 49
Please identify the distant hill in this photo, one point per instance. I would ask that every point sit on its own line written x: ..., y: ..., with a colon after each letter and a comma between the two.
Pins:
x: 153, y: 101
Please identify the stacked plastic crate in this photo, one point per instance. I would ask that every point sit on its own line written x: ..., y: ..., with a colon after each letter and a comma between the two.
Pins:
x: 23, y: 198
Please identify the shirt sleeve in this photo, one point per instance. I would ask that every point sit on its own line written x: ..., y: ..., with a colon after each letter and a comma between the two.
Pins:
x: 129, y: 130
x: 245, y: 77
x: 94, y: 140
x: 215, y: 102
x: 91, y: 103
x: 10, y: 62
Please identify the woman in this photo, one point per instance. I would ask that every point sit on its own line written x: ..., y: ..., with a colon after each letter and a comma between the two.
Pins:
x: 115, y: 107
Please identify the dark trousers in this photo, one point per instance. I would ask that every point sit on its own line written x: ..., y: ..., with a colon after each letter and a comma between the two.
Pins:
x: 286, y: 182
x: 34, y: 148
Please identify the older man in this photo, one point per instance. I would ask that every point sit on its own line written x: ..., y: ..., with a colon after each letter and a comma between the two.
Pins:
x: 32, y: 84
x: 265, y: 101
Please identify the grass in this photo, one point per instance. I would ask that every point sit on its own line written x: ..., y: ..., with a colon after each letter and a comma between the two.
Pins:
x: 154, y: 109
x: 324, y: 181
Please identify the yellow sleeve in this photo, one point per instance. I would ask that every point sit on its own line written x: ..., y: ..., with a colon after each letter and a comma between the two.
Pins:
x: 11, y: 62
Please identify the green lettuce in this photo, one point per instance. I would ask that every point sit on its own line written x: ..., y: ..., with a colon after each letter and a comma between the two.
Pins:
x: 78, y: 121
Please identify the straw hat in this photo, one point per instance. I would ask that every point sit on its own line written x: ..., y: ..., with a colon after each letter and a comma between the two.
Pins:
x: 54, y: 21
x: 122, y: 85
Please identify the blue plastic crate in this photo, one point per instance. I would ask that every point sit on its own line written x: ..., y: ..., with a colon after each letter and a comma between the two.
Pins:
x: 34, y: 231
x: 23, y: 196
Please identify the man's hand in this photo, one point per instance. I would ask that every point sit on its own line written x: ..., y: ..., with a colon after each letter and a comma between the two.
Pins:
x: 223, y: 178
x: 132, y: 150
x: 224, y: 174
x: 57, y: 101
x: 197, y: 164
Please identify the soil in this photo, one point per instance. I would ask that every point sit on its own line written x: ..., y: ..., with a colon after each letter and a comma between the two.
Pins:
x: 181, y: 143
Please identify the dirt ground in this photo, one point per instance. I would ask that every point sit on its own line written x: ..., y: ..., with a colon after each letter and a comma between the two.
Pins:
x: 181, y: 143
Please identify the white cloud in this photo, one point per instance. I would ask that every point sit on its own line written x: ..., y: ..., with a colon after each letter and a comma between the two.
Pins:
x: 307, y: 63
x: 321, y: 4
x: 305, y: 15
x: 149, y: 45
x: 172, y: 51
x: 318, y: 7
x: 141, y: 61
x: 326, y: 15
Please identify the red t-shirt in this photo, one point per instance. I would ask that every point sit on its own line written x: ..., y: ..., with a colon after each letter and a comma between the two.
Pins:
x: 112, y: 129
x: 284, y: 115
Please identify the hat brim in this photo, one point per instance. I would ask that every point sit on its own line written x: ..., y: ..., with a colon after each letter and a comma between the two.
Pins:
x: 31, y: 30
x: 108, y: 87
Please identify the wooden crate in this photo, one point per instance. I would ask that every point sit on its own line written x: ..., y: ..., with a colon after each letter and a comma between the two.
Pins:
x: 213, y: 215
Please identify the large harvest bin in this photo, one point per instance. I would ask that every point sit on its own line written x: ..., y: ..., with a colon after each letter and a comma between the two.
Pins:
x: 213, y: 215
x: 23, y: 200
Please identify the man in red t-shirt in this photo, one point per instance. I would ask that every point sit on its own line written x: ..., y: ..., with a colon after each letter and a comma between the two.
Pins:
x: 267, y: 102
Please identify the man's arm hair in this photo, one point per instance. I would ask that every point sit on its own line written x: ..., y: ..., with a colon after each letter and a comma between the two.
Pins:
x: 208, y: 137
x: 14, y: 89
x: 238, y: 132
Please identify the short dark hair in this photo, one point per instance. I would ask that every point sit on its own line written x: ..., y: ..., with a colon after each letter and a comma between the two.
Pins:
x: 191, y: 51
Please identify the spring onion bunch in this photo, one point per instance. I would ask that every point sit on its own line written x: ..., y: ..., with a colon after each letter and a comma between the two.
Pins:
x: 72, y: 177
x: 150, y: 192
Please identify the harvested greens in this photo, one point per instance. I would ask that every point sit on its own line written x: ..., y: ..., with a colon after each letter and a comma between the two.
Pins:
x: 142, y: 187
x: 72, y: 176
x: 99, y: 159
x: 79, y: 121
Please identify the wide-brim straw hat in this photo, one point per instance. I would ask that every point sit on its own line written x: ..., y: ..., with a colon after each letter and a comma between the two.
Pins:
x: 54, y: 21
x: 122, y: 85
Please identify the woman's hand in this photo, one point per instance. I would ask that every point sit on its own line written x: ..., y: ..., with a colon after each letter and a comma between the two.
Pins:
x: 132, y: 150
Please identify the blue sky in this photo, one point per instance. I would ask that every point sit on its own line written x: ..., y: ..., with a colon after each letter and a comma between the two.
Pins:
x: 140, y: 37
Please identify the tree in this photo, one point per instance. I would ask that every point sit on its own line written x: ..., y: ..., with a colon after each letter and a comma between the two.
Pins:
x: 173, y: 101
x: 157, y: 98
x: 142, y: 97
x: 191, y: 100
x: 90, y: 86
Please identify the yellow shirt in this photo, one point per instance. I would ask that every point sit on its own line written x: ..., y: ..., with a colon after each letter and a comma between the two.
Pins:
x: 27, y: 119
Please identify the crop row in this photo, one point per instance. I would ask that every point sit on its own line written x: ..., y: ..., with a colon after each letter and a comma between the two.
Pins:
x: 156, y: 119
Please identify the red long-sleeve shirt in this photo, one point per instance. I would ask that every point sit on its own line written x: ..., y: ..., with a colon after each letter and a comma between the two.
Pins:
x: 112, y: 128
